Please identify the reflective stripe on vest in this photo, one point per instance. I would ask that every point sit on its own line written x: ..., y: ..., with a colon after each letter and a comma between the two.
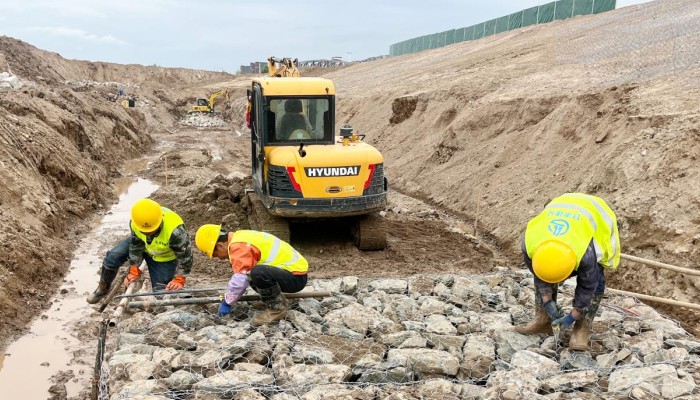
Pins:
x: 159, y: 249
x: 273, y: 251
x: 576, y: 219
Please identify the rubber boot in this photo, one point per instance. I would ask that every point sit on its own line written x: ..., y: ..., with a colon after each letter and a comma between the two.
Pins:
x: 276, y: 305
x: 582, y: 328
x: 106, y: 278
x: 540, y: 324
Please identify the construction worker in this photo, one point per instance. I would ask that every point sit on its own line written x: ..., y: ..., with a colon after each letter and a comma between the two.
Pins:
x: 259, y: 260
x: 158, y: 235
x: 575, y: 235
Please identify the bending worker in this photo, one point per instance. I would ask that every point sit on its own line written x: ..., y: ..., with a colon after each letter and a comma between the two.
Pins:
x: 259, y: 260
x: 158, y: 235
x: 575, y: 235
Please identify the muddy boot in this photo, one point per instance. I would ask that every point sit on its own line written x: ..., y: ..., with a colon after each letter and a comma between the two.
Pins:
x: 540, y: 324
x: 582, y: 328
x: 106, y: 278
x: 276, y: 306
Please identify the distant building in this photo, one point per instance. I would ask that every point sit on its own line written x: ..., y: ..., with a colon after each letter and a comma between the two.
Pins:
x: 254, y: 67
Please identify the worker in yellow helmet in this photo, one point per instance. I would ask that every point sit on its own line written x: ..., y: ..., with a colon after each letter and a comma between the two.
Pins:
x: 260, y: 260
x: 159, y: 237
x: 575, y: 235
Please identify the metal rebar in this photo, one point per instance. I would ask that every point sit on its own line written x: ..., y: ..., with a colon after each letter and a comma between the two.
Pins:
x: 657, y: 264
x: 115, y: 289
x: 210, y: 300
x: 163, y: 292
x: 655, y: 299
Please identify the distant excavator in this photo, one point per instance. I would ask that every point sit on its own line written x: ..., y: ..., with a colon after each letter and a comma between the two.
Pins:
x: 283, y: 67
x: 203, y: 105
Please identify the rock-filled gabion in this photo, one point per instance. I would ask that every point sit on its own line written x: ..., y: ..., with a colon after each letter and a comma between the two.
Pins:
x: 444, y: 337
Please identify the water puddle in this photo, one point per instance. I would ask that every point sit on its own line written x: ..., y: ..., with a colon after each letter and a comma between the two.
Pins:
x: 54, y: 339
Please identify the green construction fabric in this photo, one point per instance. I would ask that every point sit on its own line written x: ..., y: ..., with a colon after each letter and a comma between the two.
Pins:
x: 441, y: 39
x: 479, y: 31
x: 564, y: 9
x: 449, y: 37
x: 434, y: 38
x: 530, y: 16
x: 426, y: 42
x: 469, y: 33
x: 413, y: 47
x: 603, y: 6
x: 515, y: 20
x: 459, y: 35
x: 502, y: 24
x: 546, y: 13
x: 490, y: 28
x: 583, y: 7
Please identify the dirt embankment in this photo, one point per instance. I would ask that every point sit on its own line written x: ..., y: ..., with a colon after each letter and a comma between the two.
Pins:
x: 61, y: 144
x: 606, y: 105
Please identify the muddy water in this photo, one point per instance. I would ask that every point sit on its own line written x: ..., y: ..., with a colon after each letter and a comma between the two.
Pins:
x: 29, y: 363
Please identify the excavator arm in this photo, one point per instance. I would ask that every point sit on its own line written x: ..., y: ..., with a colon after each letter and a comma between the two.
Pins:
x: 214, y: 95
x: 285, y: 67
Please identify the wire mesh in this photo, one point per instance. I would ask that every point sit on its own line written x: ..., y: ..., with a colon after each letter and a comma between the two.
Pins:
x: 443, y: 337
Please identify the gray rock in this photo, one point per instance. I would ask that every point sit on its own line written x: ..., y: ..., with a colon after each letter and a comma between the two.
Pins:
x: 395, y: 286
x: 308, y: 354
x: 510, y: 342
x: 439, y: 324
x: 646, y: 343
x: 425, y: 361
x: 301, y: 375
x: 570, y: 381
x: 142, y: 371
x: 691, y: 346
x: 139, y: 388
x: 479, y: 354
x: 538, y: 364
x: 625, y: 379
x: 348, y: 285
x: 182, y: 380
x: 518, y: 379
x: 230, y: 380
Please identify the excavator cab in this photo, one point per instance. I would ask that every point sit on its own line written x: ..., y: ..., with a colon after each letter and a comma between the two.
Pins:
x: 302, y: 170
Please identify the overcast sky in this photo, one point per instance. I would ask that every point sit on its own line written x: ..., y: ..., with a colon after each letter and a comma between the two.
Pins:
x: 220, y: 35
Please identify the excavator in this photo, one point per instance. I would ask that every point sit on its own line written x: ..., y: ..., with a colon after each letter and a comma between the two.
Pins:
x: 207, y: 105
x: 301, y: 168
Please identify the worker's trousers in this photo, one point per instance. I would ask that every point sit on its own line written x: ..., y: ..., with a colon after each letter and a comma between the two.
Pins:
x: 161, y: 272
x: 265, y: 277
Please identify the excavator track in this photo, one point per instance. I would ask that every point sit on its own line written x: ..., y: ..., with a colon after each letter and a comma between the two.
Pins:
x: 261, y: 220
x: 370, y: 232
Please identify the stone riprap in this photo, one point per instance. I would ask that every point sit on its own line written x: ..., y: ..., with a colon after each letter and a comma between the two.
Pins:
x: 442, y: 337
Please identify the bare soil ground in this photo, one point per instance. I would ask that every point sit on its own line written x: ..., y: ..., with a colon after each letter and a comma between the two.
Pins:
x: 484, y: 132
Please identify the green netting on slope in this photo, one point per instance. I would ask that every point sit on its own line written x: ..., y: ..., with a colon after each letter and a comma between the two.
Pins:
x: 426, y: 42
x: 564, y: 9
x: 449, y: 37
x: 479, y: 30
x: 546, y: 13
x: 502, y: 24
x: 515, y: 20
x: 434, y: 38
x: 459, y: 35
x: 583, y: 7
x: 469, y: 33
x: 490, y: 27
x: 603, y: 6
x: 530, y: 16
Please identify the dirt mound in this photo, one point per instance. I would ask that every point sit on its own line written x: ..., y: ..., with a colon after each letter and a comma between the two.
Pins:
x: 605, y: 105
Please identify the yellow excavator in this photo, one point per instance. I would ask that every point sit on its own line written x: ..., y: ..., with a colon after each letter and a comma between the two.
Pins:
x: 207, y: 105
x: 301, y: 169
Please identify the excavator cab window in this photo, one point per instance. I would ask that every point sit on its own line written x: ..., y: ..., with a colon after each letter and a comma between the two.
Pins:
x: 298, y: 120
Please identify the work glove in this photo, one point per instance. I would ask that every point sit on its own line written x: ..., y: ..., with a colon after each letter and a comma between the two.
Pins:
x: 552, y: 311
x: 563, y: 323
x: 177, y: 283
x: 134, y: 273
x: 224, y: 309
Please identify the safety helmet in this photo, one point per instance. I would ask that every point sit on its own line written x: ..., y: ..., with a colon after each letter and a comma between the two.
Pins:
x: 146, y: 215
x: 553, y: 261
x: 206, y: 238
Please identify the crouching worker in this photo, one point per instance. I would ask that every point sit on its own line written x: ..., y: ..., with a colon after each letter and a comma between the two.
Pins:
x: 259, y: 260
x: 158, y: 235
x: 575, y: 235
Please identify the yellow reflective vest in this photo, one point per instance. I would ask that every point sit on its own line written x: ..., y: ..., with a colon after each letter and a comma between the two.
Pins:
x: 274, y: 252
x: 575, y: 219
x: 159, y: 249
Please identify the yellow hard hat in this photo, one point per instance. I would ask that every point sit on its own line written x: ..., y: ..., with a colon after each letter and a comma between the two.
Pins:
x: 206, y: 238
x: 553, y: 261
x: 146, y: 215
